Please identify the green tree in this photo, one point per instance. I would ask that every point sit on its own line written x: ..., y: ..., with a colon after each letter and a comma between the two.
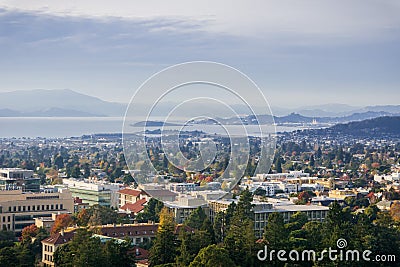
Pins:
x: 163, y: 250
x: 278, y: 165
x: 196, y: 218
x: 87, y: 251
x: 151, y: 211
x: 117, y: 254
x: 212, y: 256
x: 7, y: 238
x: 275, y: 233
x: 240, y: 239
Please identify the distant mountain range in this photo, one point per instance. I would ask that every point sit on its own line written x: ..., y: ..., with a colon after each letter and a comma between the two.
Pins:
x: 295, y: 118
x: 334, y: 110
x: 56, y: 103
x: 68, y: 103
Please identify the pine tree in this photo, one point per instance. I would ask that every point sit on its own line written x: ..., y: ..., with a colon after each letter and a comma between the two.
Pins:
x: 240, y: 239
x: 212, y: 256
x: 163, y: 250
x: 275, y: 233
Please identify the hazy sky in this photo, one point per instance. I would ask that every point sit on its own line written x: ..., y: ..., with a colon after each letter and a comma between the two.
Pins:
x: 299, y: 52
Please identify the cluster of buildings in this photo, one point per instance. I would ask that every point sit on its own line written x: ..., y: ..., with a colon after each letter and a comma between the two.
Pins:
x: 22, y: 206
x: 21, y: 201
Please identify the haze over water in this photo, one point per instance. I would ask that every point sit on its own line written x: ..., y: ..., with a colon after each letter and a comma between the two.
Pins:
x: 67, y: 127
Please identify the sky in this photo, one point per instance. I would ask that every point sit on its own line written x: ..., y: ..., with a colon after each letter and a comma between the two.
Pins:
x: 299, y: 52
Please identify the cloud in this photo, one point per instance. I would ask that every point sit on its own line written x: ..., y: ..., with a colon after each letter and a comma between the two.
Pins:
x: 314, y: 51
x: 316, y: 20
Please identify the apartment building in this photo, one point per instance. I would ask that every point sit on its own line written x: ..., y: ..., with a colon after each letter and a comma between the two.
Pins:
x: 19, y: 209
x: 17, y: 178
x: 138, y: 233
x: 93, y: 192
x: 262, y: 210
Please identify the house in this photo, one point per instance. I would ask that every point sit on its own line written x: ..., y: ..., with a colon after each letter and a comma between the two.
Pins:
x: 139, y: 234
x: 135, y: 208
x: 50, y: 244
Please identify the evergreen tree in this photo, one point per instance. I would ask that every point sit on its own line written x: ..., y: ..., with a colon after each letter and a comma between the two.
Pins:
x: 163, y: 250
x: 275, y: 233
x: 240, y: 239
x: 151, y: 211
x: 196, y: 218
x: 212, y: 256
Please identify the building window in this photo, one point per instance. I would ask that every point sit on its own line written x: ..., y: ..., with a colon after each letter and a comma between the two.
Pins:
x: 4, y: 219
x: 9, y: 209
x: 61, y: 206
x: 33, y: 207
x: 56, y: 206
x: 42, y: 207
x: 8, y: 219
x: 52, y: 207
x: 29, y: 208
x: 19, y: 208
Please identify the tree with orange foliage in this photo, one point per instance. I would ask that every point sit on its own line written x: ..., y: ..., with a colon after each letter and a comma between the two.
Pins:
x: 62, y: 221
x: 83, y: 217
x: 28, y: 232
x: 395, y: 211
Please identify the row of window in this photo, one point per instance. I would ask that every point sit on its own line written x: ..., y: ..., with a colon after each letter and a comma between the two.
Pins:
x: 130, y: 233
x: 8, y: 219
x: 35, y: 208
x: 48, y: 257
x: 6, y: 227
x: 48, y: 248
x: 44, y: 197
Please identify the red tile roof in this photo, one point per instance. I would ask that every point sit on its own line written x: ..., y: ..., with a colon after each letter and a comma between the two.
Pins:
x: 181, y: 227
x: 140, y: 253
x: 58, y: 239
x: 136, y: 207
x: 130, y: 230
x: 131, y: 192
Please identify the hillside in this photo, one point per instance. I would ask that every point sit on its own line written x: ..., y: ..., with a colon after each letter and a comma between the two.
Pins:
x: 57, y: 103
x: 381, y: 127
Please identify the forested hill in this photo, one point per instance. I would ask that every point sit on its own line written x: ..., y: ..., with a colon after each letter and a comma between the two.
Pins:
x: 377, y: 127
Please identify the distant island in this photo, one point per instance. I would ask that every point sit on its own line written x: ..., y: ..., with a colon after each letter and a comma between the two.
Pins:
x: 154, y: 124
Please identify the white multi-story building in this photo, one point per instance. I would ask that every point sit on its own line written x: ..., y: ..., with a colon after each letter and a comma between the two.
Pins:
x: 17, y: 178
x: 262, y: 210
x: 312, y: 187
x: 394, y: 177
x: 93, y: 192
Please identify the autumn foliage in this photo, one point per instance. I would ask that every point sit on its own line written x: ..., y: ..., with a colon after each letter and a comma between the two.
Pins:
x: 62, y: 221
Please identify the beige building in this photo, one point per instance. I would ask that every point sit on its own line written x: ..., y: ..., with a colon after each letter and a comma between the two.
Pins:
x: 50, y: 244
x: 342, y: 194
x: 19, y: 209
x: 141, y: 233
x: 262, y: 210
x: 131, y: 196
x: 184, y: 206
